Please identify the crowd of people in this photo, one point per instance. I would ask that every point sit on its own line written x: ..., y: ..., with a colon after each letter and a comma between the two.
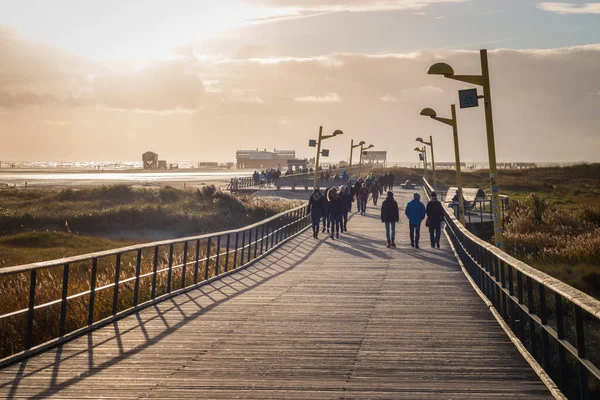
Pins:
x: 268, y: 176
x: 329, y: 210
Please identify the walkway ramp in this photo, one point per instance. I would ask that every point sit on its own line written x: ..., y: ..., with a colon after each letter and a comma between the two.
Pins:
x: 316, y: 319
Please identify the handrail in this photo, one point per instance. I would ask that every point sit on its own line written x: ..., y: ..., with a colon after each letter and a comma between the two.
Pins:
x: 531, y: 309
x: 104, y: 253
x: 195, y: 261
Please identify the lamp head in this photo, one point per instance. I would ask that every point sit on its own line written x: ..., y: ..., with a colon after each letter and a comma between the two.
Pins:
x: 419, y: 139
x: 337, y: 132
x: 418, y: 149
x: 440, y: 69
x: 428, y: 112
x: 370, y: 146
x: 362, y: 143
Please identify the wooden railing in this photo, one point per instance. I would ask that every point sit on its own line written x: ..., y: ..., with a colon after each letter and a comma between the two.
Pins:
x: 46, y: 303
x: 557, y: 324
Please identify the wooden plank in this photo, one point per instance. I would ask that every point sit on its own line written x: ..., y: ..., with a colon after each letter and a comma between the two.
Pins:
x: 317, y: 319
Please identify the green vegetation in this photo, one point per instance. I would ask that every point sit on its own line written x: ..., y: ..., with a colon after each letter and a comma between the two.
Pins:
x: 554, y: 221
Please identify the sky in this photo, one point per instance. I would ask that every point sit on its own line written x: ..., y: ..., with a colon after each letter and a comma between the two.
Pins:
x: 198, y: 80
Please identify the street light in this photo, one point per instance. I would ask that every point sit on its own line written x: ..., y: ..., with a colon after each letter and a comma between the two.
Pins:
x: 430, y: 144
x: 352, y: 147
x: 361, y: 155
x: 484, y: 81
x: 428, y: 112
x: 424, y: 154
x: 318, y: 144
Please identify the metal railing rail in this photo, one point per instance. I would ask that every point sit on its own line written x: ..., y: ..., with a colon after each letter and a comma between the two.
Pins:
x: 554, y: 321
x: 229, y: 252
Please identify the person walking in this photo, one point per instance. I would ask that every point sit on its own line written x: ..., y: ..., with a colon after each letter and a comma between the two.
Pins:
x: 363, y: 197
x: 375, y: 191
x: 316, y: 209
x: 389, y: 216
x: 356, y: 192
x: 346, y: 207
x: 391, y: 181
x: 326, y: 210
x: 435, y: 216
x: 415, y: 211
x: 335, y: 213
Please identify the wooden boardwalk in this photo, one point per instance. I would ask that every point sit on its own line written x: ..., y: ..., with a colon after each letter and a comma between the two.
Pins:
x: 316, y: 319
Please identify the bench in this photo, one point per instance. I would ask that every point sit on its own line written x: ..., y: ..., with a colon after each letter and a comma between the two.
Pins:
x: 407, y: 185
x: 471, y: 197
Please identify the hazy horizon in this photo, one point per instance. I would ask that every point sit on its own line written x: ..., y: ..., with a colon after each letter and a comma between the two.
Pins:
x: 199, y: 80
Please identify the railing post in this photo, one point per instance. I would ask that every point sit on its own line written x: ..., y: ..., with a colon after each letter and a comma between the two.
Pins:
x: 218, y: 255
x: 562, y: 359
x: 531, y: 308
x: 154, y: 272
x: 249, y: 245
x: 92, y: 291
x: 207, y: 264
x: 30, y: 312
x: 581, y: 353
x: 170, y: 273
x: 544, y: 318
x: 236, y: 250
x: 511, y: 290
x: 242, y: 251
x: 63, y: 304
x: 138, y: 269
x: 227, y: 252
x: 184, y: 267
x: 116, y: 288
x: 262, y: 238
x: 521, y: 312
x: 255, y: 241
x: 267, y: 238
x: 197, y: 263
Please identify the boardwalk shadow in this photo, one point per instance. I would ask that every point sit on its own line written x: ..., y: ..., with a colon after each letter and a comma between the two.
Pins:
x: 273, y: 265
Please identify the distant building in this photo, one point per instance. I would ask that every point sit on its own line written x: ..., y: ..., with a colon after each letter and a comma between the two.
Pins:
x: 263, y: 159
x: 375, y: 157
x: 150, y: 160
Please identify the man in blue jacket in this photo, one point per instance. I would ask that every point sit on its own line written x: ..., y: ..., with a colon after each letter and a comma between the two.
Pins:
x: 415, y: 211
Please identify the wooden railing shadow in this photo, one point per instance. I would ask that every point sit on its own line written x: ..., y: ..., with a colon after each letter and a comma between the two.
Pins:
x: 279, y: 262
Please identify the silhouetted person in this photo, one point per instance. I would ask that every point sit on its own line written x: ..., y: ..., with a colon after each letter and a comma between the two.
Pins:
x: 435, y: 216
x: 415, y: 211
x: 335, y: 213
x: 389, y: 216
x: 346, y: 198
x: 363, y: 197
x: 316, y: 209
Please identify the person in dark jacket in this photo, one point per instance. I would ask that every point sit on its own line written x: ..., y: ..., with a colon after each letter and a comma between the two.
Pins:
x: 375, y: 191
x: 363, y: 197
x: 326, y: 210
x: 335, y: 212
x: 415, y: 211
x: 346, y: 206
x: 357, y: 187
x: 435, y: 216
x: 391, y: 181
x: 316, y: 210
x: 389, y: 216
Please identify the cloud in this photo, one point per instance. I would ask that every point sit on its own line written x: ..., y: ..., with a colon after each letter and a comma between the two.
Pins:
x: 388, y: 99
x: 570, y: 8
x: 328, y: 98
x: 34, y: 74
x: 543, y: 109
x: 59, y: 123
x: 293, y: 9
